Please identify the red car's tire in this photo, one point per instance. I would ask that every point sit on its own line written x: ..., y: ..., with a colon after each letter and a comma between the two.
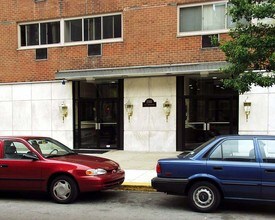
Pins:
x: 63, y: 189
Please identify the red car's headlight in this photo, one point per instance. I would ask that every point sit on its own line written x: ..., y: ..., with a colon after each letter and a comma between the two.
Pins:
x: 95, y: 172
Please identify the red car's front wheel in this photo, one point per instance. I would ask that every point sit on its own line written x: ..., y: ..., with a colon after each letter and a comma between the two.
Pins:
x: 63, y: 189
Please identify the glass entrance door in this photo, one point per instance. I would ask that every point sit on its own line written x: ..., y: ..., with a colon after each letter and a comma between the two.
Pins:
x: 99, y: 124
x: 208, y: 117
x: 98, y: 114
x: 210, y: 110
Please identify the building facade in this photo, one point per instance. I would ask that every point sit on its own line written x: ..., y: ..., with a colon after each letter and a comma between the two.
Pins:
x: 128, y: 75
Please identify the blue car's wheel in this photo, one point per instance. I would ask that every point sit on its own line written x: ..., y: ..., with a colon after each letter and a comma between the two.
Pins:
x: 204, y: 197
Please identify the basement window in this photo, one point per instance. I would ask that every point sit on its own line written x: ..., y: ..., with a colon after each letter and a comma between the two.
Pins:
x: 41, y: 54
x: 95, y: 50
x: 208, y: 41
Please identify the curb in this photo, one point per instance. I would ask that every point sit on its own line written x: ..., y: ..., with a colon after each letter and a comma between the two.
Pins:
x: 137, y: 187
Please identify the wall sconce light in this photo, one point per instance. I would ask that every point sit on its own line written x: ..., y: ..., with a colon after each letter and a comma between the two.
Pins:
x: 247, y: 108
x: 63, y: 109
x: 167, y: 108
x: 129, y: 109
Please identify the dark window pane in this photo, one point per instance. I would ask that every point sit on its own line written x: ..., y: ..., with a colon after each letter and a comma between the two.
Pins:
x: 23, y: 35
x: 92, y: 29
x: 94, y: 49
x: 117, y: 26
x: 107, y: 90
x: 41, y: 54
x: 50, y: 33
x: 43, y: 33
x: 210, y: 40
x: 73, y: 30
x: 32, y: 34
x: 108, y: 31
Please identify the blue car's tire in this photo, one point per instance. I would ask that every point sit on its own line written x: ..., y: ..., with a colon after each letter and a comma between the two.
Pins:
x: 204, y: 197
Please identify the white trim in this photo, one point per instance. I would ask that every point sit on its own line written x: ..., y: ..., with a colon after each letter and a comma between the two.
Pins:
x: 200, y: 4
x: 93, y: 16
x: 202, y: 32
x: 62, y: 32
x: 38, y: 22
x: 196, y: 33
x: 33, y: 82
x: 115, y: 40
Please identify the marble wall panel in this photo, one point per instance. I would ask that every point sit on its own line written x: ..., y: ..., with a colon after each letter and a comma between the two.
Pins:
x: 21, y: 92
x: 41, y: 91
x: 41, y: 115
x: 21, y: 116
x: 5, y: 116
x: 162, y: 141
x: 57, y: 119
x: 60, y: 91
x: 138, y: 87
x: 5, y: 93
x: 136, y: 141
x: 163, y: 86
x: 65, y: 137
x: 258, y: 118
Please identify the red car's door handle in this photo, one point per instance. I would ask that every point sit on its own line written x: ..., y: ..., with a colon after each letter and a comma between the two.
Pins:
x: 3, y: 166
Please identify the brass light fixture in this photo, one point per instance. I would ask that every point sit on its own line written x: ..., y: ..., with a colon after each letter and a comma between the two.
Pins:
x: 167, y: 108
x: 247, y: 108
x: 129, y: 107
x: 63, y: 109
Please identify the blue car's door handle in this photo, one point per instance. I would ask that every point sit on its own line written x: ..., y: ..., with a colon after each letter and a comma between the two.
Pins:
x: 217, y: 168
x: 3, y: 165
x: 270, y: 170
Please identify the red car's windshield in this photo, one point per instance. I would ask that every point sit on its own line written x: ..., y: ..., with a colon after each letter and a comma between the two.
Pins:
x: 49, y: 147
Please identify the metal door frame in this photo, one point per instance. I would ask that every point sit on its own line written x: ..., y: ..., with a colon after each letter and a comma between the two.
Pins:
x: 181, y: 112
x: 77, y: 104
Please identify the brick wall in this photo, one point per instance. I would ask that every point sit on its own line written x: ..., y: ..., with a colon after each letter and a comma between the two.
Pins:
x: 149, y: 37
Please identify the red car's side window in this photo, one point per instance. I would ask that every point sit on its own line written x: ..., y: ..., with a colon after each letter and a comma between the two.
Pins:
x: 14, y: 149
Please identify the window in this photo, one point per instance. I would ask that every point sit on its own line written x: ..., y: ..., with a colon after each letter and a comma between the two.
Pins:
x: 92, y: 29
x: 210, y: 40
x: 96, y: 28
x: 234, y: 150
x: 99, y: 29
x: 50, y: 33
x: 203, y: 18
x: 73, y: 30
x: 14, y: 150
x: 267, y: 150
x: 111, y: 27
x: 29, y: 35
x: 39, y: 34
x: 41, y: 54
x: 94, y: 50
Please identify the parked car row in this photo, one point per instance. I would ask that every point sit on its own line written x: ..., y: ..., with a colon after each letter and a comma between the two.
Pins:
x: 225, y: 167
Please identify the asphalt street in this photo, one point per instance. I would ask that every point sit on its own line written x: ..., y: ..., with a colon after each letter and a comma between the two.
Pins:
x: 118, y: 205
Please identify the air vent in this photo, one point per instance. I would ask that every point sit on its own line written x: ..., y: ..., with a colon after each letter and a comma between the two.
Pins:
x: 94, y: 50
x: 41, y: 54
x: 210, y: 40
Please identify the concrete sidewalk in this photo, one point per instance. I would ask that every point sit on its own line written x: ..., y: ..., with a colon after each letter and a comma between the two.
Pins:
x: 140, y: 167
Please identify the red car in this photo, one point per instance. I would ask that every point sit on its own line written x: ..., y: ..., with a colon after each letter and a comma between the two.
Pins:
x: 44, y: 164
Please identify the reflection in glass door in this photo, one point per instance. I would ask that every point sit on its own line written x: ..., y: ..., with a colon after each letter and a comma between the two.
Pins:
x: 98, y: 116
x: 208, y: 117
x: 206, y: 109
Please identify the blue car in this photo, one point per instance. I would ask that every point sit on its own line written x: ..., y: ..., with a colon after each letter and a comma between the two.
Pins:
x: 229, y: 167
